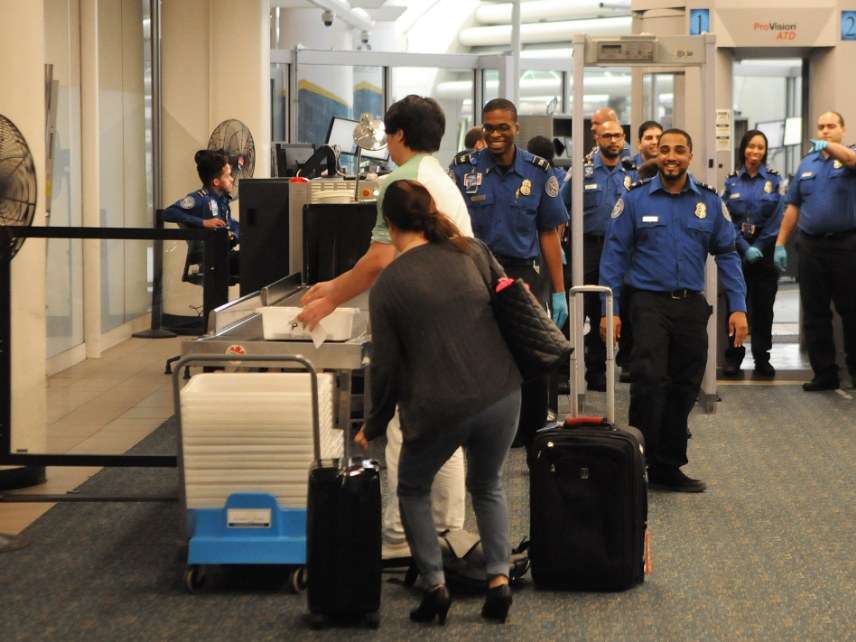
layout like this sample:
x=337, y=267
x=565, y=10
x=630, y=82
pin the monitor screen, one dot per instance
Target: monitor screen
x=290, y=157
x=793, y=130
x=341, y=134
x=335, y=237
x=774, y=130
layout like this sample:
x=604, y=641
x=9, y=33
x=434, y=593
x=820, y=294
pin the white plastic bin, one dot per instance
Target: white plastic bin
x=281, y=323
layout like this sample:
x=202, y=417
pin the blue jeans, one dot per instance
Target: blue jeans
x=486, y=438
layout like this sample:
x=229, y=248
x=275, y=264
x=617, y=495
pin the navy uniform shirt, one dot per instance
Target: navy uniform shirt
x=200, y=205
x=825, y=191
x=754, y=205
x=508, y=209
x=602, y=187
x=660, y=241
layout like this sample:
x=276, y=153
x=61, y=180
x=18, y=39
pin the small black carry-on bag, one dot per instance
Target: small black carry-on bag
x=589, y=501
x=343, y=540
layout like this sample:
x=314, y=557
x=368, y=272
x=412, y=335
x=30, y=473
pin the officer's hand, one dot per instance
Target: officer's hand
x=818, y=145
x=213, y=222
x=753, y=254
x=780, y=258
x=616, y=328
x=559, y=307
x=314, y=311
x=738, y=327
x=360, y=438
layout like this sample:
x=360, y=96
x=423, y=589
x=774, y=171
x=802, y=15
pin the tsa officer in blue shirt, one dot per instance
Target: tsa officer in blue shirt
x=821, y=202
x=755, y=204
x=660, y=234
x=605, y=180
x=514, y=205
x=645, y=160
x=209, y=206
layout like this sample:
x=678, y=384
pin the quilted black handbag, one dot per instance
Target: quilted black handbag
x=536, y=343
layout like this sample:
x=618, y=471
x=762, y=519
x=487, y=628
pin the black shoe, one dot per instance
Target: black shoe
x=435, y=603
x=731, y=371
x=817, y=384
x=597, y=385
x=625, y=376
x=497, y=603
x=671, y=478
x=763, y=370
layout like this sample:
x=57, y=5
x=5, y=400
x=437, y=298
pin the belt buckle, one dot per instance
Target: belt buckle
x=677, y=295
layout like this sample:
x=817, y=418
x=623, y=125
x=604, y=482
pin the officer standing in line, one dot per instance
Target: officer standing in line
x=514, y=205
x=604, y=181
x=209, y=206
x=598, y=118
x=474, y=140
x=659, y=236
x=754, y=202
x=646, y=159
x=821, y=202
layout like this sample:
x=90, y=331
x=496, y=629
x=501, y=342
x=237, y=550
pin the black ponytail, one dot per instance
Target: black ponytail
x=408, y=206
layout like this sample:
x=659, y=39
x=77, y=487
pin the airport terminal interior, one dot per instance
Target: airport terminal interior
x=126, y=414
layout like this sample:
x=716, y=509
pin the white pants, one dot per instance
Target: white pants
x=448, y=493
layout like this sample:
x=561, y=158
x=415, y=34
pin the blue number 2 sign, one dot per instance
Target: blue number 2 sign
x=700, y=21
x=848, y=25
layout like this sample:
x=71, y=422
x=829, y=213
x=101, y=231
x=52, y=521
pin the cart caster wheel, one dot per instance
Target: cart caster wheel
x=372, y=620
x=317, y=622
x=297, y=580
x=194, y=578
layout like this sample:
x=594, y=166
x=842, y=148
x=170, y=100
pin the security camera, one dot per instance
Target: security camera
x=327, y=17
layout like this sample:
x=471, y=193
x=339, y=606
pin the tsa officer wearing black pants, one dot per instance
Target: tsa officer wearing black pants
x=514, y=205
x=821, y=202
x=605, y=180
x=752, y=197
x=660, y=234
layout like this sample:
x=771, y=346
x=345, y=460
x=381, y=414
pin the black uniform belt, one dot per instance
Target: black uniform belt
x=674, y=294
x=511, y=261
x=829, y=235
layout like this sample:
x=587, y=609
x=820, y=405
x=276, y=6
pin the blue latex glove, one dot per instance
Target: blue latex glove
x=559, y=307
x=564, y=256
x=818, y=145
x=780, y=258
x=753, y=254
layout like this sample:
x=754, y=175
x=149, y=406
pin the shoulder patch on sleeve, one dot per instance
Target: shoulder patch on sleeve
x=618, y=209
x=463, y=158
x=725, y=212
x=552, y=187
x=709, y=188
x=187, y=203
x=540, y=162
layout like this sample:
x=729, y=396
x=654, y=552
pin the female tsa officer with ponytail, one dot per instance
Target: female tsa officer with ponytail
x=753, y=200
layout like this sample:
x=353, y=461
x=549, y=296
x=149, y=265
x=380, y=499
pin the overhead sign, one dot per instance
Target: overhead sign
x=699, y=21
x=771, y=27
x=848, y=25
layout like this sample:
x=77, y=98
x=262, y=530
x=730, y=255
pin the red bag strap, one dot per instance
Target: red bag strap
x=576, y=422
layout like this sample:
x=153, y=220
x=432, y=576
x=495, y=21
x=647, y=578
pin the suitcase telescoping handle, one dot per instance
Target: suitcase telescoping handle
x=217, y=360
x=577, y=342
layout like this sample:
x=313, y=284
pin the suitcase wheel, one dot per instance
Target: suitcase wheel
x=194, y=578
x=297, y=580
x=372, y=620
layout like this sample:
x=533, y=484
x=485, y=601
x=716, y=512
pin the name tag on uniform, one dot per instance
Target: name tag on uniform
x=650, y=219
x=735, y=195
x=591, y=186
x=478, y=198
x=806, y=175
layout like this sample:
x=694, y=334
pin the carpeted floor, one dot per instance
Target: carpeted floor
x=766, y=553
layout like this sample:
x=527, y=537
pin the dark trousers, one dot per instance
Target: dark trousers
x=827, y=267
x=595, y=348
x=533, y=403
x=762, y=283
x=669, y=356
x=625, y=341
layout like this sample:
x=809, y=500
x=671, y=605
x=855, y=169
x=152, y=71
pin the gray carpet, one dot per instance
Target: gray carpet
x=766, y=553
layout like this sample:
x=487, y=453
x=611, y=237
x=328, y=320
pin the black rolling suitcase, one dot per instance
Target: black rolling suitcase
x=343, y=540
x=589, y=499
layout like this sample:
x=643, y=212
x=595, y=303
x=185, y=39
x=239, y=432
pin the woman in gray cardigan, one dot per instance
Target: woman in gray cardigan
x=438, y=353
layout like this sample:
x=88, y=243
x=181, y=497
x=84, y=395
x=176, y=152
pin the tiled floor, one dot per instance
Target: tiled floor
x=100, y=406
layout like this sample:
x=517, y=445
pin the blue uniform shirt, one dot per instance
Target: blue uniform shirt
x=754, y=205
x=660, y=241
x=825, y=191
x=602, y=187
x=200, y=205
x=509, y=209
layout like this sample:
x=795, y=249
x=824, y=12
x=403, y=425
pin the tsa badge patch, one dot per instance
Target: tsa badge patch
x=552, y=187
x=618, y=209
x=725, y=213
x=187, y=202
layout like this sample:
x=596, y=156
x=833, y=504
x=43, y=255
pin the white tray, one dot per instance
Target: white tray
x=280, y=323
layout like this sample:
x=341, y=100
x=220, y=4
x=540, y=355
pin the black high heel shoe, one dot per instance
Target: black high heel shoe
x=434, y=603
x=497, y=603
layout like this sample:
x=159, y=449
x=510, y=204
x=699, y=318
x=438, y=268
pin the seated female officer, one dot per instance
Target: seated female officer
x=753, y=200
x=438, y=353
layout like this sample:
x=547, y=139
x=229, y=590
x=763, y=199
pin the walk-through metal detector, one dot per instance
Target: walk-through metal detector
x=644, y=51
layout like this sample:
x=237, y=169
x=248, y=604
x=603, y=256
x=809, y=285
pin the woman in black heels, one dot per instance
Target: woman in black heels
x=438, y=352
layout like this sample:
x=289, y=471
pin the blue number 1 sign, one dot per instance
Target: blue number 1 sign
x=699, y=21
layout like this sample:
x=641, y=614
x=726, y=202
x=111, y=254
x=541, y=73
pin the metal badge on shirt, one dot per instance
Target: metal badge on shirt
x=836, y=164
x=768, y=187
x=525, y=187
x=700, y=210
x=627, y=182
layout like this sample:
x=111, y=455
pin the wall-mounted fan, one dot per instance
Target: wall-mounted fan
x=18, y=188
x=234, y=138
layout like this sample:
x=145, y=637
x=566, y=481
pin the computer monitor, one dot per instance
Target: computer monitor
x=793, y=130
x=290, y=157
x=774, y=130
x=341, y=134
x=335, y=236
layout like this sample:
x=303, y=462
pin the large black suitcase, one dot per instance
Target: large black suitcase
x=589, y=499
x=343, y=539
